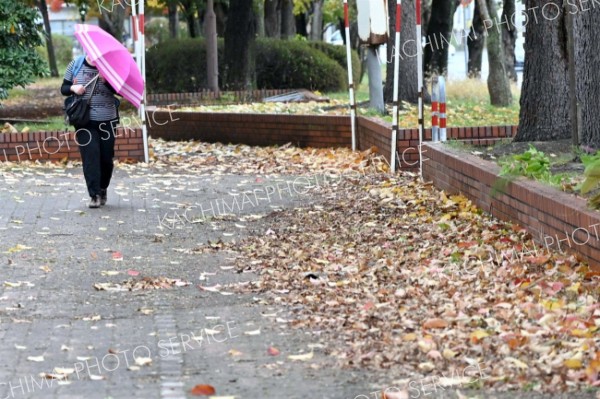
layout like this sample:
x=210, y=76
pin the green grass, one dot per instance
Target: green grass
x=56, y=123
x=468, y=104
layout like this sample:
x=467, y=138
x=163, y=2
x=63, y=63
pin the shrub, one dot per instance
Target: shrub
x=338, y=54
x=180, y=66
x=293, y=64
x=63, y=50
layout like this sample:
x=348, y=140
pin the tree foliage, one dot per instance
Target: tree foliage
x=19, y=36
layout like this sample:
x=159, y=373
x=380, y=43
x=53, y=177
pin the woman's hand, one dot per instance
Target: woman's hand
x=78, y=89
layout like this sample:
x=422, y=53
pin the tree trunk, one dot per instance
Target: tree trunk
x=48, y=33
x=112, y=21
x=439, y=32
x=509, y=38
x=316, y=26
x=189, y=11
x=476, y=44
x=544, y=114
x=272, y=18
x=212, y=57
x=407, y=85
x=425, y=15
x=260, y=18
x=173, y=20
x=288, y=22
x=191, y=23
x=587, y=51
x=498, y=83
x=240, y=65
x=301, y=25
x=221, y=13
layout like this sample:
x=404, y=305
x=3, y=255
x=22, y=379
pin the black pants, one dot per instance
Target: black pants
x=97, y=148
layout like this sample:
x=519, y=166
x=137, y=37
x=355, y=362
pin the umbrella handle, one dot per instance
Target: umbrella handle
x=88, y=83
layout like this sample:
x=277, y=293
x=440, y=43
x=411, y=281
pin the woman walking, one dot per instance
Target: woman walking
x=96, y=139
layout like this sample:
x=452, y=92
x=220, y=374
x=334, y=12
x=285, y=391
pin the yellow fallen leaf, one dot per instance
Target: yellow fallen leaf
x=478, y=335
x=409, y=337
x=517, y=362
x=581, y=333
x=234, y=352
x=574, y=364
x=16, y=248
x=448, y=354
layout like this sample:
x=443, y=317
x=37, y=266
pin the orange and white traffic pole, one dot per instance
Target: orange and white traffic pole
x=442, y=112
x=435, y=121
x=438, y=109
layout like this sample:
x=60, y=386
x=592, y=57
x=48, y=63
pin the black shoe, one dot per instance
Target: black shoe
x=103, y=197
x=94, y=202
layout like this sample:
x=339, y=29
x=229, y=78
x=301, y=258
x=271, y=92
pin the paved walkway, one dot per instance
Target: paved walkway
x=53, y=250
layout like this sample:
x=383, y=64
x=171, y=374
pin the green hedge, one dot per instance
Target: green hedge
x=180, y=65
x=338, y=53
x=63, y=50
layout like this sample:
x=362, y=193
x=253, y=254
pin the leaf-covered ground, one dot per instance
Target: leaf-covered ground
x=404, y=278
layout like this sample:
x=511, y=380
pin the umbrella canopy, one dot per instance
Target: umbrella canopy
x=113, y=60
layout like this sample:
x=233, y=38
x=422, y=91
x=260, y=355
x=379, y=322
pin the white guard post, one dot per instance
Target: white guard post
x=350, y=80
x=396, y=54
x=420, y=83
x=438, y=109
x=137, y=29
x=442, y=112
x=435, y=122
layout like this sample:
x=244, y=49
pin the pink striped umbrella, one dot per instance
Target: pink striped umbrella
x=113, y=60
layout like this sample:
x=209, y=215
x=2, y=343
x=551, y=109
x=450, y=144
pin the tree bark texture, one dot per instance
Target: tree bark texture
x=240, y=65
x=544, y=114
x=407, y=85
x=476, y=44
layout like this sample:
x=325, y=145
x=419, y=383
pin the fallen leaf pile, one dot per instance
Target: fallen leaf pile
x=400, y=276
x=196, y=156
x=146, y=283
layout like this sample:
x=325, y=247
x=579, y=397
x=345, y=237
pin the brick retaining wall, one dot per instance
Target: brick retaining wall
x=557, y=220
x=252, y=129
x=55, y=146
